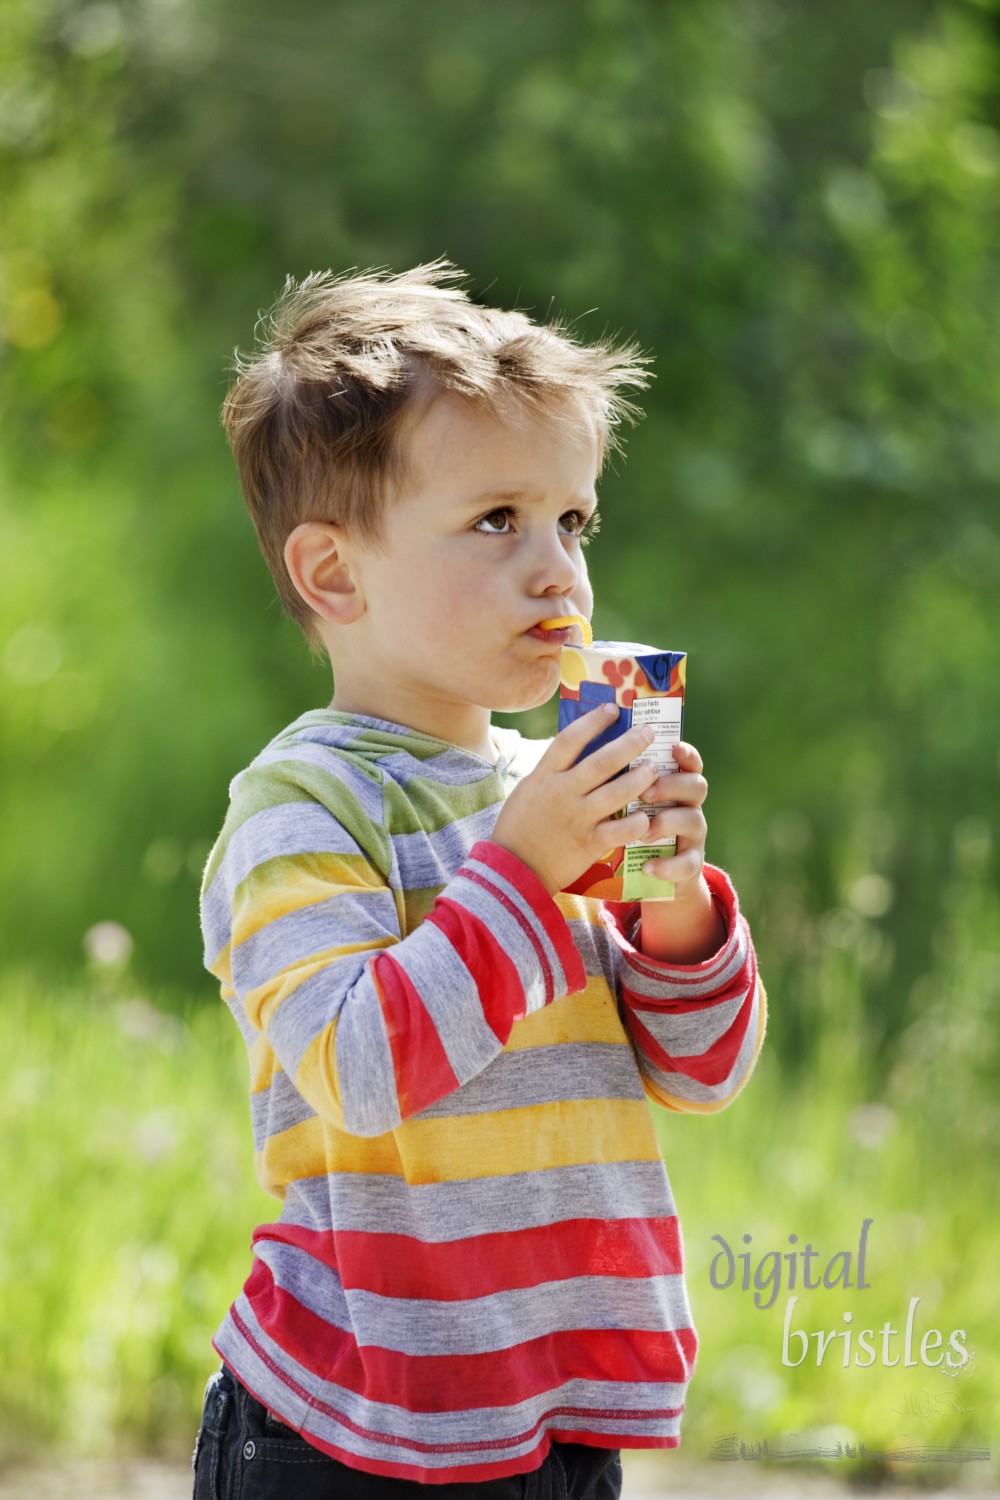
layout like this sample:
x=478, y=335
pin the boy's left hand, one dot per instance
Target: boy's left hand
x=688, y=929
x=687, y=788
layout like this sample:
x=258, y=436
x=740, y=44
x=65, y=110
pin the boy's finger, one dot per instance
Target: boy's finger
x=678, y=786
x=614, y=832
x=687, y=757
x=604, y=764
x=570, y=743
x=609, y=797
x=677, y=868
x=684, y=823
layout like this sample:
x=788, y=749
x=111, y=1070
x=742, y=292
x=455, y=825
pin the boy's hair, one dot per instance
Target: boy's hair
x=314, y=417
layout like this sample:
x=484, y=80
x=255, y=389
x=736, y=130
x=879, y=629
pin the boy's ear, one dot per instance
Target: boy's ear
x=320, y=564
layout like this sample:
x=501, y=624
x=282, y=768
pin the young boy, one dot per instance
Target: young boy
x=475, y=1281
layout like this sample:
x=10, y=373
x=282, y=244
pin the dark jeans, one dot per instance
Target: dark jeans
x=244, y=1453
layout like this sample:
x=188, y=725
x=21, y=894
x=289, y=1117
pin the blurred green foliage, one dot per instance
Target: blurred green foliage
x=793, y=207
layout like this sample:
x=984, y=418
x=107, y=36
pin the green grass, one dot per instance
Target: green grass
x=910, y=1143
x=129, y=1200
x=126, y=1218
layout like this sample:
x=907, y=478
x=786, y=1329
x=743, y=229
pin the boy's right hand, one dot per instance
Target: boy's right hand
x=561, y=818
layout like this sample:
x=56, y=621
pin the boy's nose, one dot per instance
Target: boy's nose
x=556, y=570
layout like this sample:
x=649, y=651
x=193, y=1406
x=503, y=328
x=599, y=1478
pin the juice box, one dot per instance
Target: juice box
x=648, y=686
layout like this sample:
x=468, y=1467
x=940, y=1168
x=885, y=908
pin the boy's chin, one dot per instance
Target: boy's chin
x=525, y=703
x=521, y=697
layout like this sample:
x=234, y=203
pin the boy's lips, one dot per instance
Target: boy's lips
x=554, y=637
x=563, y=630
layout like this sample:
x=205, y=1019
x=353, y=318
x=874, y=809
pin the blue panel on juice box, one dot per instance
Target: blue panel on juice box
x=656, y=666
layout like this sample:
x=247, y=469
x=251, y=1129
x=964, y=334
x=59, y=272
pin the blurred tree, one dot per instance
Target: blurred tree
x=793, y=207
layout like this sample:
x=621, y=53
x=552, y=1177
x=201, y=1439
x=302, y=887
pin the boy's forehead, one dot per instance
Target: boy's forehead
x=456, y=438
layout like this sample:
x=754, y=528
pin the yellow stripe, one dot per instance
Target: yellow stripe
x=579, y=908
x=591, y=1015
x=535, y=1139
x=288, y=883
x=222, y=968
x=317, y=1079
x=314, y=1147
x=264, y=1066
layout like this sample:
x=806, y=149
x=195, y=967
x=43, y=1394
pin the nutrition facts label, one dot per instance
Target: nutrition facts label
x=663, y=716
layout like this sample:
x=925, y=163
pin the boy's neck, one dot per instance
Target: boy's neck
x=469, y=727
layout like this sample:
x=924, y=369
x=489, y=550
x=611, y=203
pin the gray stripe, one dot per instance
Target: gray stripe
x=216, y=919
x=666, y=988
x=483, y=1428
x=690, y=1034
x=365, y=1068
x=288, y=829
x=278, y=1107
x=530, y=921
x=438, y=1212
x=418, y=1326
x=598, y=954
x=429, y=858
x=435, y=969
x=469, y=1041
x=314, y=1286
x=513, y=930
x=484, y=1325
x=315, y=726
x=679, y=1086
x=565, y=1071
x=451, y=767
x=350, y=916
x=248, y=1032
x=368, y=1104
x=312, y=1005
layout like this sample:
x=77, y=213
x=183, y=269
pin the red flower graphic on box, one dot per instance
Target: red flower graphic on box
x=618, y=674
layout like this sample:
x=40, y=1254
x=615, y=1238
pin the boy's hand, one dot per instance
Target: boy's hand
x=687, y=788
x=561, y=818
x=688, y=929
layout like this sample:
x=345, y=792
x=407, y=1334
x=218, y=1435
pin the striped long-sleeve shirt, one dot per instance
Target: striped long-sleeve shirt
x=478, y=1250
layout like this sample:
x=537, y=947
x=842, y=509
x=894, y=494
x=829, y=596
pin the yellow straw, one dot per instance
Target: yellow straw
x=564, y=620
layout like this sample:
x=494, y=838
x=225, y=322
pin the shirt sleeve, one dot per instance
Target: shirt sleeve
x=372, y=1026
x=696, y=1029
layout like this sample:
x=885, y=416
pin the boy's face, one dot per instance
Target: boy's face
x=481, y=543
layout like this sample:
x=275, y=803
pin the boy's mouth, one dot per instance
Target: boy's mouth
x=563, y=630
x=554, y=637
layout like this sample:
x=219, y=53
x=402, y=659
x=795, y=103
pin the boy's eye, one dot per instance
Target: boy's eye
x=582, y=527
x=498, y=523
x=501, y=515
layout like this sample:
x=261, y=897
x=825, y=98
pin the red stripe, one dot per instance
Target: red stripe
x=420, y=1064
x=700, y=974
x=504, y=900
x=682, y=1005
x=524, y=880
x=458, y=1382
x=397, y=1265
x=711, y=1067
x=498, y=981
